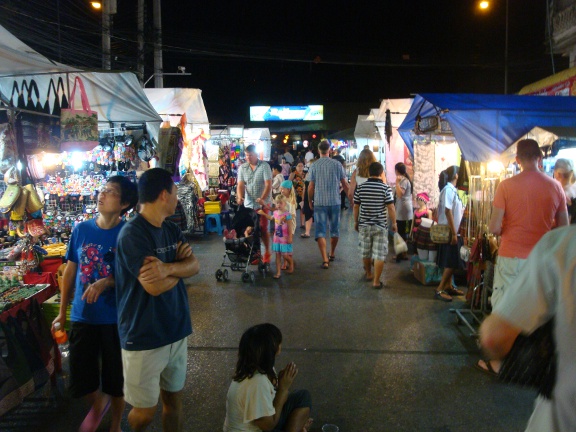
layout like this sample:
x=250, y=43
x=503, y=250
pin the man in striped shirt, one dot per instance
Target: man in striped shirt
x=373, y=206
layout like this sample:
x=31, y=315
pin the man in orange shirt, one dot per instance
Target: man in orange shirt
x=525, y=208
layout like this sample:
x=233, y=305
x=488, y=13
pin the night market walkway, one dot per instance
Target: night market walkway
x=374, y=360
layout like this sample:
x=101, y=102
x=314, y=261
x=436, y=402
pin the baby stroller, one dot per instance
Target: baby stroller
x=244, y=250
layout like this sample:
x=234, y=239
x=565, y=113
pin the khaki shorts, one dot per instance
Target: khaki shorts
x=146, y=372
x=507, y=269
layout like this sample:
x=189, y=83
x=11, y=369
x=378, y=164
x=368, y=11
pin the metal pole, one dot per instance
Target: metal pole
x=158, y=78
x=106, y=61
x=59, y=34
x=506, y=54
x=140, y=58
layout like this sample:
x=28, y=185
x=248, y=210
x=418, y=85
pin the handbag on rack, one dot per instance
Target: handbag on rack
x=79, y=127
x=531, y=361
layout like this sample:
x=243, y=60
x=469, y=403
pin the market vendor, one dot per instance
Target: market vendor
x=95, y=354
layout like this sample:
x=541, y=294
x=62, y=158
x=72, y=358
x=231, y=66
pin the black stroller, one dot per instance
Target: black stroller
x=244, y=250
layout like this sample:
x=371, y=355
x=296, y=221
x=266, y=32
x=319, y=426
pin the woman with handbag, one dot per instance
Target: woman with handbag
x=449, y=213
x=404, y=205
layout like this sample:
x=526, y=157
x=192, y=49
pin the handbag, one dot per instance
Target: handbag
x=531, y=361
x=35, y=135
x=79, y=127
x=400, y=245
x=440, y=234
x=53, y=122
x=8, y=150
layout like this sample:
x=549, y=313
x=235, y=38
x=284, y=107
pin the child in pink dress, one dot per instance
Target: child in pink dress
x=282, y=243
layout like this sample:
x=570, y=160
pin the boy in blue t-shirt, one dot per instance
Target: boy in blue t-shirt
x=89, y=279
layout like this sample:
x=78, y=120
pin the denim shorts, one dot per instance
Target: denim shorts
x=327, y=218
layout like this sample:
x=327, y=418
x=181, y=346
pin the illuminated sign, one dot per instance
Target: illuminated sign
x=287, y=113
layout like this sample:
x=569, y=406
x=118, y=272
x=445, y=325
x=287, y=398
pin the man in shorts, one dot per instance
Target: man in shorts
x=254, y=187
x=153, y=312
x=89, y=277
x=373, y=206
x=525, y=208
x=326, y=175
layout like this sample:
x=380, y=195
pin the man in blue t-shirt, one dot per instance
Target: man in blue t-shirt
x=153, y=313
x=89, y=276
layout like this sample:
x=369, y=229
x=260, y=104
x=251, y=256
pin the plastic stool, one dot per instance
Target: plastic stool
x=225, y=215
x=212, y=223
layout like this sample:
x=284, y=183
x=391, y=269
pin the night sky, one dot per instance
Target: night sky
x=243, y=53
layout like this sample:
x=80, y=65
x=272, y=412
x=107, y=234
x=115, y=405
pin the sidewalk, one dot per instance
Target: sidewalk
x=374, y=360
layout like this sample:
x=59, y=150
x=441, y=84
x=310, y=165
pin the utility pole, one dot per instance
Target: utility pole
x=108, y=9
x=140, y=59
x=158, y=75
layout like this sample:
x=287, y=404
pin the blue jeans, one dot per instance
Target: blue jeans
x=327, y=217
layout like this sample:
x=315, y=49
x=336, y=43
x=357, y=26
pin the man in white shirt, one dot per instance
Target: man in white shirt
x=309, y=156
x=289, y=158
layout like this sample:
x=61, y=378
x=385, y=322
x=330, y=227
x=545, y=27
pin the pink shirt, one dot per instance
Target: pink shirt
x=530, y=201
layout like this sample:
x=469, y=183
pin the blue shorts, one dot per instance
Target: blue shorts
x=327, y=217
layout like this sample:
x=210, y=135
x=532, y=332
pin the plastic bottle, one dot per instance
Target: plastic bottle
x=61, y=339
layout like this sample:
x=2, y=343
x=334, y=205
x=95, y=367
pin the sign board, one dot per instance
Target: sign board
x=287, y=113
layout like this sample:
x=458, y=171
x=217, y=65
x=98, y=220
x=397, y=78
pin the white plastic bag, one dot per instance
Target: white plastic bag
x=400, y=245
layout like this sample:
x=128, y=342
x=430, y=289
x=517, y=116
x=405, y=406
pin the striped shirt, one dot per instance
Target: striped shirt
x=326, y=174
x=373, y=196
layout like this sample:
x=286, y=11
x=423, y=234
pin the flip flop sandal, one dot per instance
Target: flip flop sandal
x=331, y=257
x=325, y=265
x=438, y=295
x=305, y=235
x=454, y=291
x=379, y=286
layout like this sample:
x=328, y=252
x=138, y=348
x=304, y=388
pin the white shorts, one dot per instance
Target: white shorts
x=148, y=371
x=507, y=269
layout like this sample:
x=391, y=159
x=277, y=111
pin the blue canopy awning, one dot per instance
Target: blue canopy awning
x=486, y=125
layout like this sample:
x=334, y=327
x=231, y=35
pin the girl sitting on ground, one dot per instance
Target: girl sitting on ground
x=282, y=243
x=258, y=399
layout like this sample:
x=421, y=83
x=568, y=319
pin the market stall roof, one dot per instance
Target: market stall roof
x=174, y=102
x=17, y=58
x=486, y=125
x=344, y=135
x=398, y=110
x=115, y=96
x=365, y=129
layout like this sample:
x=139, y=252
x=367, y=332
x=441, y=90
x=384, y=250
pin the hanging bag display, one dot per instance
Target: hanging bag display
x=35, y=135
x=79, y=127
x=53, y=123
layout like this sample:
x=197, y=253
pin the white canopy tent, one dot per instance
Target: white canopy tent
x=395, y=150
x=17, y=58
x=366, y=134
x=116, y=97
x=260, y=137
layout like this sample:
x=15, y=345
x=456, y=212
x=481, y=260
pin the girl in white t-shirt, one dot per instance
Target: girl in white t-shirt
x=258, y=399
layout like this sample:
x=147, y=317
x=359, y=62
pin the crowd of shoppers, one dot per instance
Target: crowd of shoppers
x=131, y=315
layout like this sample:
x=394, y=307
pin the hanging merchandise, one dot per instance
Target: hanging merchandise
x=79, y=128
x=35, y=136
x=124, y=153
x=8, y=150
x=53, y=124
x=146, y=149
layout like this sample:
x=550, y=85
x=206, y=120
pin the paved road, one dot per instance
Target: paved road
x=374, y=360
